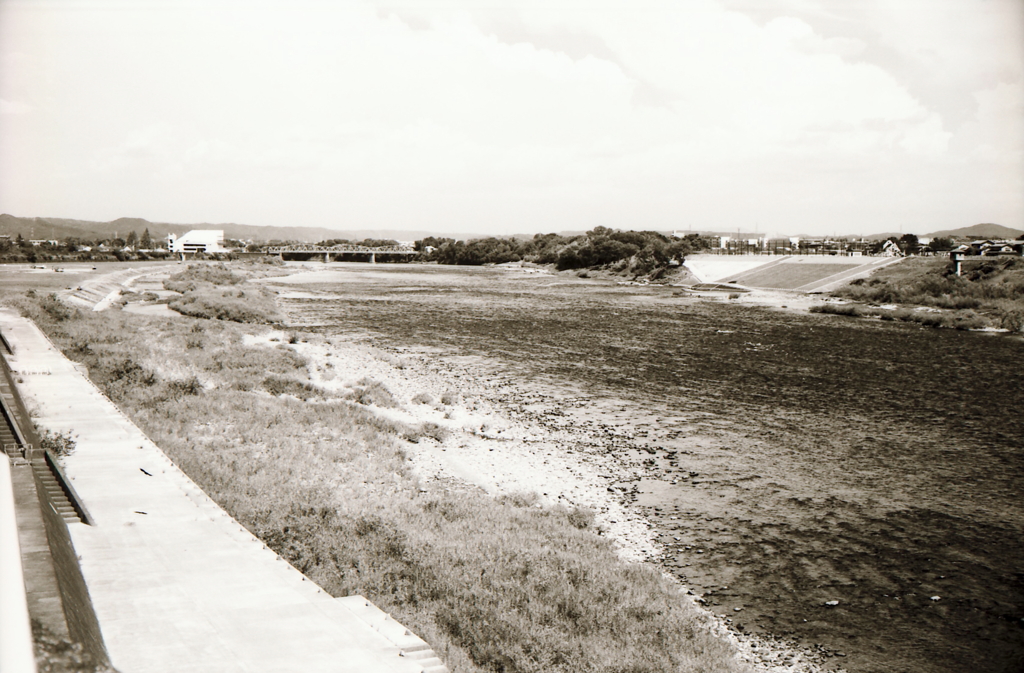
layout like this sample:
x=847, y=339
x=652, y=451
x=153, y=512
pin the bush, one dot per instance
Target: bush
x=367, y=391
x=838, y=309
x=968, y=320
x=278, y=385
x=428, y=429
x=60, y=444
x=57, y=309
x=189, y=386
x=1012, y=320
x=198, y=274
x=256, y=307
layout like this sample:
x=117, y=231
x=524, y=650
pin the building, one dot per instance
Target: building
x=991, y=248
x=197, y=240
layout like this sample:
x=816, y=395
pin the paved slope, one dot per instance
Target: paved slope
x=177, y=584
x=808, y=273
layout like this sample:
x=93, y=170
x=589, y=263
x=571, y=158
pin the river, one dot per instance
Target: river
x=852, y=485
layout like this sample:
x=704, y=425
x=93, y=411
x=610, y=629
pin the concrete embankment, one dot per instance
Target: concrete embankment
x=176, y=583
x=799, y=273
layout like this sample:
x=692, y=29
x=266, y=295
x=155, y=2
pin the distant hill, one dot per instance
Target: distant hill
x=987, y=230
x=61, y=228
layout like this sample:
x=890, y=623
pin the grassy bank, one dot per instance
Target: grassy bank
x=990, y=293
x=493, y=585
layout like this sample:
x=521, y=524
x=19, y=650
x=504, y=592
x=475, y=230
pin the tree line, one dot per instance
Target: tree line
x=639, y=252
x=72, y=248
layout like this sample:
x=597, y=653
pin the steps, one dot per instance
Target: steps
x=55, y=492
x=97, y=293
x=412, y=646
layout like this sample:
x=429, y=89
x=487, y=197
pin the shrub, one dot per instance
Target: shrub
x=580, y=517
x=1012, y=320
x=278, y=385
x=60, y=444
x=56, y=309
x=189, y=386
x=968, y=320
x=257, y=307
x=838, y=309
x=198, y=274
x=428, y=429
x=367, y=391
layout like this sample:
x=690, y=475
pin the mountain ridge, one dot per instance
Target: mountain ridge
x=61, y=228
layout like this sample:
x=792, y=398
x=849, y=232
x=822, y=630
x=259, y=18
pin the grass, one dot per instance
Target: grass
x=56, y=654
x=215, y=292
x=989, y=294
x=493, y=584
x=962, y=320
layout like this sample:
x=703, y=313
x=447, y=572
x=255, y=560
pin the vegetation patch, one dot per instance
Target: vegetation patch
x=990, y=293
x=368, y=391
x=634, y=253
x=493, y=585
x=197, y=275
x=59, y=444
x=215, y=292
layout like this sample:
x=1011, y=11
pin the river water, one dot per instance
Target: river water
x=795, y=460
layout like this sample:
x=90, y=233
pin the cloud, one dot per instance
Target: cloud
x=459, y=114
x=8, y=107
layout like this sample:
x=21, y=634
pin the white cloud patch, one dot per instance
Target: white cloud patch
x=461, y=116
x=14, y=107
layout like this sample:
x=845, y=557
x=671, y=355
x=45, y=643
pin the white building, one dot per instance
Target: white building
x=197, y=240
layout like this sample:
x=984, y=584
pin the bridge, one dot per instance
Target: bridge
x=351, y=253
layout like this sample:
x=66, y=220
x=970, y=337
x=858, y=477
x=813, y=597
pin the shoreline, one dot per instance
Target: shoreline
x=509, y=438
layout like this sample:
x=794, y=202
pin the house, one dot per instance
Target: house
x=890, y=249
x=991, y=248
x=197, y=240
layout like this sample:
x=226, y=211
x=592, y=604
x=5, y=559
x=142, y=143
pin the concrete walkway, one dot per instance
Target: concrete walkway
x=177, y=584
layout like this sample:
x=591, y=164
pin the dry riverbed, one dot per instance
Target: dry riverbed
x=508, y=438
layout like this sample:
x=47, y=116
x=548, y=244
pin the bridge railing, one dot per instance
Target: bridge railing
x=342, y=248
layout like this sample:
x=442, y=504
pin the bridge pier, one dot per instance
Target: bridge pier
x=373, y=258
x=327, y=257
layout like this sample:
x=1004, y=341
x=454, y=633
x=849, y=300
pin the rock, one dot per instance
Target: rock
x=832, y=603
x=935, y=598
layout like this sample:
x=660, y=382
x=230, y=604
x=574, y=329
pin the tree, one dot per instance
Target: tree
x=132, y=241
x=908, y=243
x=146, y=242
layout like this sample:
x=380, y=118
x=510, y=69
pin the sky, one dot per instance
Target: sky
x=490, y=118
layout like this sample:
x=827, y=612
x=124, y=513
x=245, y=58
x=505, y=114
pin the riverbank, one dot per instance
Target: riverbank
x=488, y=581
x=989, y=295
x=778, y=479
x=509, y=436
x=775, y=482
x=516, y=442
